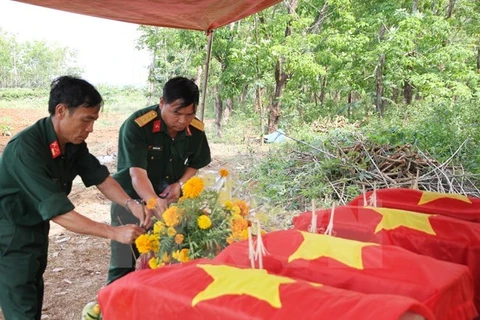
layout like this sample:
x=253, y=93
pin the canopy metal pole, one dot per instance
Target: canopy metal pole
x=205, y=77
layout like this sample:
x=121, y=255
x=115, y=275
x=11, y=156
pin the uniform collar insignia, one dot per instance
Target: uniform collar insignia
x=55, y=149
x=157, y=125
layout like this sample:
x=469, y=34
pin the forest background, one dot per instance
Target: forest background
x=330, y=74
x=368, y=94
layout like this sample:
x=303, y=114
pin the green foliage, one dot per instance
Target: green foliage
x=33, y=64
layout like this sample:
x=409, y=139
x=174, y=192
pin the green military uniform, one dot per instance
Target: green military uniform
x=145, y=143
x=35, y=179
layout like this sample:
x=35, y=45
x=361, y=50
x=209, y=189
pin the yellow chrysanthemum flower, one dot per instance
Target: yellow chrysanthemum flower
x=151, y=203
x=223, y=173
x=153, y=263
x=170, y=217
x=179, y=238
x=171, y=231
x=228, y=205
x=143, y=243
x=204, y=222
x=154, y=242
x=243, y=207
x=193, y=187
x=236, y=210
x=158, y=227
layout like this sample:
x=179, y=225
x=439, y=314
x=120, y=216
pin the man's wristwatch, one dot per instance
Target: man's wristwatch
x=180, y=183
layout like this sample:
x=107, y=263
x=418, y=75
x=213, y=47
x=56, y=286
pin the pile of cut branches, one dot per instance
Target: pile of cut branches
x=406, y=166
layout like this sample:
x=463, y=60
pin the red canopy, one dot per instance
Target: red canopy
x=184, y=14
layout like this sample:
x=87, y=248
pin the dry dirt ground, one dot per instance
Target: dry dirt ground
x=77, y=264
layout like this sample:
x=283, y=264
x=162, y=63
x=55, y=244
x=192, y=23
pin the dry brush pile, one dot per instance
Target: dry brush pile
x=371, y=166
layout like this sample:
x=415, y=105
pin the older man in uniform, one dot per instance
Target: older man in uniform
x=37, y=168
x=160, y=147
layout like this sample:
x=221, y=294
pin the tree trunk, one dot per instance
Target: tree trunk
x=198, y=77
x=478, y=57
x=408, y=92
x=280, y=82
x=323, y=90
x=280, y=77
x=218, y=112
x=316, y=26
x=451, y=5
x=379, y=95
x=349, y=105
x=151, y=76
x=395, y=94
x=414, y=6
x=228, y=109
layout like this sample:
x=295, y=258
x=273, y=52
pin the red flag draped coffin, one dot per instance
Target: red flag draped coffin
x=437, y=236
x=446, y=288
x=204, y=289
x=451, y=205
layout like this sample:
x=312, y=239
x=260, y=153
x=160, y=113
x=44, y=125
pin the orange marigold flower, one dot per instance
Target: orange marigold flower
x=181, y=255
x=179, y=238
x=238, y=223
x=170, y=217
x=230, y=239
x=151, y=203
x=243, y=207
x=193, y=187
x=166, y=258
x=143, y=243
x=171, y=231
x=223, y=173
x=204, y=222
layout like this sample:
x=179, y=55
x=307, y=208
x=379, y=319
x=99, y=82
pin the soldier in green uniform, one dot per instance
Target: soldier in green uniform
x=37, y=168
x=160, y=148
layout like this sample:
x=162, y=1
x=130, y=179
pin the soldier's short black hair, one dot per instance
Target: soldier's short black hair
x=74, y=92
x=183, y=89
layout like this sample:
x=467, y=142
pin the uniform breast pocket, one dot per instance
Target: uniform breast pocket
x=155, y=154
x=187, y=157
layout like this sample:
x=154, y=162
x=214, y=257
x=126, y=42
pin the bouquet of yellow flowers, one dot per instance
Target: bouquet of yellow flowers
x=199, y=225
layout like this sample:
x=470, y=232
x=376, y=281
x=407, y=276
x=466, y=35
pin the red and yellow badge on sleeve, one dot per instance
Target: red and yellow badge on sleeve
x=452, y=205
x=445, y=288
x=206, y=289
x=436, y=236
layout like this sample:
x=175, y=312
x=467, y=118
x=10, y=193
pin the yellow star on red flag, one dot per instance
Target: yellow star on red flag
x=394, y=218
x=314, y=246
x=235, y=281
x=428, y=196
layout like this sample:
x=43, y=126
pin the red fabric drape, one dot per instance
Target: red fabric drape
x=451, y=205
x=208, y=290
x=446, y=288
x=437, y=236
x=202, y=15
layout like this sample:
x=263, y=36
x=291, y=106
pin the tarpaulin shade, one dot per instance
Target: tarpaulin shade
x=206, y=289
x=186, y=14
x=447, y=204
x=437, y=236
x=446, y=288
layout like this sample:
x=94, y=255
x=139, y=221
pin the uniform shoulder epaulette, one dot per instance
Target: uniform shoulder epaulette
x=146, y=118
x=198, y=124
